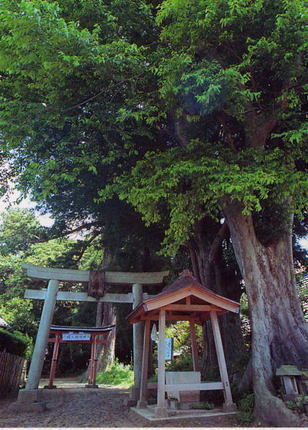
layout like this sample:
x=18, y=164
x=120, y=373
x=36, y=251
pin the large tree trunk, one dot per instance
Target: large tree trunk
x=209, y=268
x=279, y=335
x=106, y=353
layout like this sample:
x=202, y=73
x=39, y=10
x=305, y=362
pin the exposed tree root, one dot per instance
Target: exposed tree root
x=271, y=411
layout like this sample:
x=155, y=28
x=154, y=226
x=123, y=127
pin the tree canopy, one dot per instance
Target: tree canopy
x=185, y=112
x=233, y=78
x=200, y=98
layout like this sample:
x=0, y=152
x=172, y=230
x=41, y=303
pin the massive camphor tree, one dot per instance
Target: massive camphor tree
x=231, y=75
x=190, y=111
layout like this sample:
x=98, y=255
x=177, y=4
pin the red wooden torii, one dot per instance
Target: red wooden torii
x=64, y=334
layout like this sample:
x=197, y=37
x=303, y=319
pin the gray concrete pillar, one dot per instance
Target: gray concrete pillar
x=41, y=341
x=137, y=341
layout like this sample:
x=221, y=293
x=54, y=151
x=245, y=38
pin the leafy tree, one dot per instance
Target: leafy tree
x=232, y=77
x=19, y=314
x=87, y=124
x=80, y=80
x=18, y=230
x=212, y=109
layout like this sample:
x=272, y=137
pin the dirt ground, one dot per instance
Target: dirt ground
x=103, y=407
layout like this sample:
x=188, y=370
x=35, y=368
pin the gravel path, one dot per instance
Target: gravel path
x=104, y=407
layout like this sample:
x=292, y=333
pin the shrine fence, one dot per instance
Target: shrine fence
x=11, y=367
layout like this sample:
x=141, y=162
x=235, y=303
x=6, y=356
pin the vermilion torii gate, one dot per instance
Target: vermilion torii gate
x=52, y=294
x=90, y=335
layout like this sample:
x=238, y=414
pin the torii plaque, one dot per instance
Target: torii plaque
x=51, y=294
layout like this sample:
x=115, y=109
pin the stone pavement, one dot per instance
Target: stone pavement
x=103, y=407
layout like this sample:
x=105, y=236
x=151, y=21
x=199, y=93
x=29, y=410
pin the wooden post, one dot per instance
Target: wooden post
x=99, y=314
x=194, y=348
x=95, y=361
x=228, y=405
x=142, y=403
x=42, y=336
x=161, y=410
x=93, y=364
x=54, y=361
x=137, y=342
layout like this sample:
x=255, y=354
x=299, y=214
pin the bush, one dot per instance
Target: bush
x=297, y=404
x=153, y=378
x=117, y=374
x=181, y=363
x=15, y=343
x=204, y=405
x=246, y=405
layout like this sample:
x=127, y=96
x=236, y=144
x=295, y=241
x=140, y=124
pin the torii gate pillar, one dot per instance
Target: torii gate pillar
x=42, y=336
x=41, y=342
x=137, y=343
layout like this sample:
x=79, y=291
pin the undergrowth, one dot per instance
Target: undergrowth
x=117, y=374
x=246, y=405
x=203, y=405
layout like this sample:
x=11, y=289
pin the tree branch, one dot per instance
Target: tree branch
x=66, y=233
x=85, y=246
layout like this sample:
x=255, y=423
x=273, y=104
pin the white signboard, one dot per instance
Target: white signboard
x=76, y=336
x=168, y=348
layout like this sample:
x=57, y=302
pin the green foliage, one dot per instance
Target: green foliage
x=21, y=230
x=18, y=312
x=246, y=406
x=190, y=185
x=176, y=117
x=15, y=343
x=297, y=404
x=54, y=252
x=302, y=289
x=224, y=75
x=190, y=113
x=117, y=374
x=92, y=257
x=180, y=363
x=203, y=405
x=18, y=230
x=13, y=280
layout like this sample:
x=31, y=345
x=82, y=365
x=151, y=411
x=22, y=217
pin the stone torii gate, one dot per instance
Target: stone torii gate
x=52, y=294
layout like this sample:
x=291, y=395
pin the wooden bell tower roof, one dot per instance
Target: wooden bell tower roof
x=185, y=299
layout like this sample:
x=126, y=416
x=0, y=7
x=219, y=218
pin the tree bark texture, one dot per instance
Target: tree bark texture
x=106, y=353
x=279, y=332
x=209, y=268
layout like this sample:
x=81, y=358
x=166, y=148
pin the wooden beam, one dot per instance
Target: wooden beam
x=54, y=361
x=52, y=340
x=161, y=410
x=194, y=348
x=71, y=275
x=221, y=362
x=191, y=308
x=142, y=403
x=202, y=386
x=172, y=318
x=72, y=296
x=212, y=298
